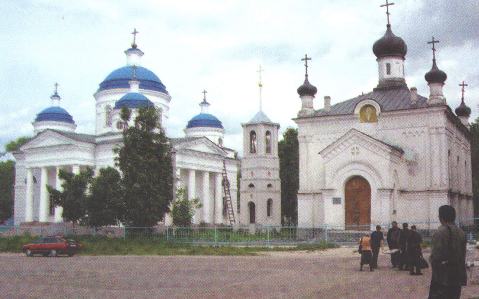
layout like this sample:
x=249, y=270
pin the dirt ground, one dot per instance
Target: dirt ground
x=329, y=274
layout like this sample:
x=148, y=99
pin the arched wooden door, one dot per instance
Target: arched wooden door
x=357, y=196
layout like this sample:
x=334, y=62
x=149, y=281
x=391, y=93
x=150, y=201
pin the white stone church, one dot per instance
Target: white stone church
x=390, y=154
x=199, y=157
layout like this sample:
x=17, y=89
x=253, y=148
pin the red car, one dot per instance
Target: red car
x=51, y=246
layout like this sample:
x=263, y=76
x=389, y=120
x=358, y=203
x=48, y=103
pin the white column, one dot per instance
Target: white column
x=58, y=186
x=192, y=191
x=218, y=199
x=29, y=197
x=206, y=197
x=44, y=196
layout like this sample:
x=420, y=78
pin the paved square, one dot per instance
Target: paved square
x=329, y=274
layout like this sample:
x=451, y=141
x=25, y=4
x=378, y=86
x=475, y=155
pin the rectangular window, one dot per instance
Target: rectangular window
x=388, y=68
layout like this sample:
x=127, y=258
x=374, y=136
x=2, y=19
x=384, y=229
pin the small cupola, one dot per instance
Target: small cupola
x=390, y=51
x=54, y=117
x=435, y=79
x=463, y=111
x=133, y=54
x=390, y=45
x=134, y=99
x=306, y=91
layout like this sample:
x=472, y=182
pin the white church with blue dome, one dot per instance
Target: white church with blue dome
x=200, y=157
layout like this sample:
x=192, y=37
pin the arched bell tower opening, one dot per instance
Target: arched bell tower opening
x=357, y=194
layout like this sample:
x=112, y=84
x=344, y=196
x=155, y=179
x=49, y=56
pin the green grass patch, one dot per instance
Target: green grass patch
x=110, y=246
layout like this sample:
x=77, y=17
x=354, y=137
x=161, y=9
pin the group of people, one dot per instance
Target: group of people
x=404, y=247
x=447, y=259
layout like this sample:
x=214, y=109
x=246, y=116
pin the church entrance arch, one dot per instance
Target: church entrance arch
x=357, y=198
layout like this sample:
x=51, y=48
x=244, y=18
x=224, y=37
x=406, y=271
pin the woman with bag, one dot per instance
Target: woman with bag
x=365, y=251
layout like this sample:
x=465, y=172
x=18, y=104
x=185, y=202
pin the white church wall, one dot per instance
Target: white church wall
x=20, y=189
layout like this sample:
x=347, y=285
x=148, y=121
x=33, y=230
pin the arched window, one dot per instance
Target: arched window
x=388, y=69
x=119, y=125
x=220, y=141
x=108, y=112
x=368, y=114
x=252, y=142
x=268, y=142
x=252, y=212
x=269, y=207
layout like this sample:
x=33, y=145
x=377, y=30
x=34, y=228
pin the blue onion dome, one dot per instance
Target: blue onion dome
x=55, y=113
x=307, y=89
x=463, y=110
x=390, y=45
x=204, y=120
x=435, y=75
x=133, y=100
x=119, y=78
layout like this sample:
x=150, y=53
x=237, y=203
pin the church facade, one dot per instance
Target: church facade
x=390, y=154
x=200, y=157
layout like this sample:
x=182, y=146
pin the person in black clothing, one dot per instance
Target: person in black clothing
x=393, y=243
x=377, y=239
x=403, y=258
x=448, y=257
x=414, y=251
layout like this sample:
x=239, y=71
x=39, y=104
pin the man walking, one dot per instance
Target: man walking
x=403, y=258
x=448, y=254
x=414, y=251
x=377, y=240
x=393, y=243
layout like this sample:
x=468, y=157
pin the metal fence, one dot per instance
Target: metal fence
x=253, y=235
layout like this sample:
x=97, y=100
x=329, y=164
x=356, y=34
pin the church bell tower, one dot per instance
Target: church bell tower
x=260, y=182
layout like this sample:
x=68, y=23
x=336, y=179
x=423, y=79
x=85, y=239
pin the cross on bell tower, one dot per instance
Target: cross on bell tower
x=387, y=10
x=260, y=85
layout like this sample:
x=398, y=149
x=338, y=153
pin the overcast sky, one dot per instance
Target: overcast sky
x=217, y=46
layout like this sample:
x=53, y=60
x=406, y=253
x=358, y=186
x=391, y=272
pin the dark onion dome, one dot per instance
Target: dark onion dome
x=119, y=78
x=133, y=100
x=463, y=110
x=307, y=89
x=390, y=45
x=204, y=120
x=55, y=113
x=435, y=75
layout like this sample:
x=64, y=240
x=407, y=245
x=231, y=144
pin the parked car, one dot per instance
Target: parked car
x=51, y=246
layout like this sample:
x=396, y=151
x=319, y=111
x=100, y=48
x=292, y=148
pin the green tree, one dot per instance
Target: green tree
x=146, y=165
x=288, y=149
x=104, y=204
x=73, y=198
x=7, y=177
x=16, y=144
x=182, y=210
x=475, y=164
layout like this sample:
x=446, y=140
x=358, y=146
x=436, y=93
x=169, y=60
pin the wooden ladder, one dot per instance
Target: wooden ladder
x=227, y=196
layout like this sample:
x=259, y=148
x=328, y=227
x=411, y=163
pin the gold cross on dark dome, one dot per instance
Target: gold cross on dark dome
x=305, y=59
x=387, y=8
